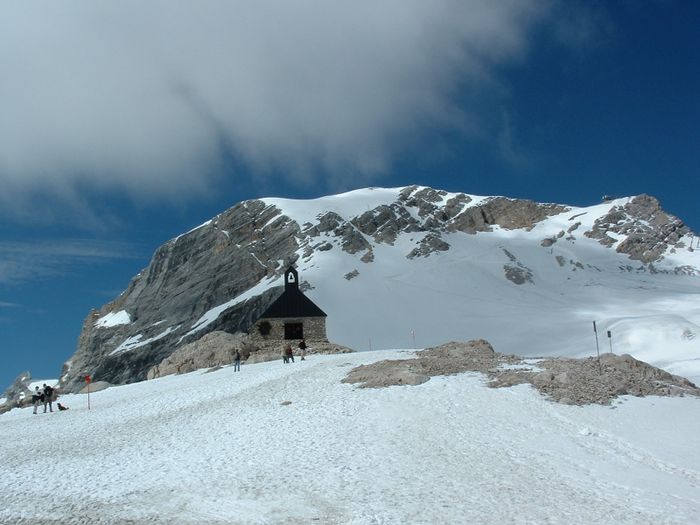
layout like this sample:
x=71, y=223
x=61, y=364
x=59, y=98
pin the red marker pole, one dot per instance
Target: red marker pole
x=87, y=380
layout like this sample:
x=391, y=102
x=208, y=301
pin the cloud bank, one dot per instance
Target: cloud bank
x=158, y=97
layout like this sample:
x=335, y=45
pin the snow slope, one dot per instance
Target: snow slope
x=219, y=447
x=463, y=294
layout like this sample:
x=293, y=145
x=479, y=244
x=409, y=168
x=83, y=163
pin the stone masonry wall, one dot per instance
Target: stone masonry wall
x=314, y=329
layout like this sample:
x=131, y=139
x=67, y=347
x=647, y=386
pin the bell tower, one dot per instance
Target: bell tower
x=291, y=279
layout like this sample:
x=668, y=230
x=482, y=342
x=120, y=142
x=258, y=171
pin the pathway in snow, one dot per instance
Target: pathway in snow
x=221, y=448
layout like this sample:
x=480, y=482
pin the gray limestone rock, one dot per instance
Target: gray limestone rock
x=429, y=244
x=647, y=229
x=214, y=349
x=507, y=213
x=253, y=242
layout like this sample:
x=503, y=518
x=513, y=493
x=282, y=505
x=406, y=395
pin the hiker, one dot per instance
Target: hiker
x=302, y=349
x=37, y=397
x=237, y=361
x=285, y=356
x=290, y=353
x=48, y=397
x=61, y=407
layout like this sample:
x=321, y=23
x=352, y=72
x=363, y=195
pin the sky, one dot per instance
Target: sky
x=123, y=125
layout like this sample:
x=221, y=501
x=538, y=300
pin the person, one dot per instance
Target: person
x=285, y=356
x=37, y=398
x=61, y=407
x=290, y=353
x=237, y=361
x=48, y=397
x=302, y=349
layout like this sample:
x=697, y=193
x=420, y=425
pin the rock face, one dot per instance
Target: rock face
x=220, y=276
x=649, y=231
x=17, y=394
x=214, y=349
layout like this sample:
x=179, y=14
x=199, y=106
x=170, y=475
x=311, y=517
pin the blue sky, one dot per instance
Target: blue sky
x=119, y=133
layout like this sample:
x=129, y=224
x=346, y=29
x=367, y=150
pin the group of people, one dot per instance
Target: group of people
x=46, y=396
x=43, y=395
x=288, y=353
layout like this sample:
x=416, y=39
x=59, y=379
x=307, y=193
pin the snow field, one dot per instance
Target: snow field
x=221, y=448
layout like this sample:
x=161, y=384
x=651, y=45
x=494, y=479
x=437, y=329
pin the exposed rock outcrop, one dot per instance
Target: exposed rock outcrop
x=564, y=380
x=214, y=349
x=648, y=231
x=218, y=348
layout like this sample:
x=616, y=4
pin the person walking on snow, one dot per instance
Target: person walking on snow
x=302, y=349
x=36, y=398
x=285, y=358
x=290, y=353
x=48, y=397
x=237, y=361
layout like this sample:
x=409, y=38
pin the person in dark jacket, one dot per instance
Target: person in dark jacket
x=302, y=349
x=48, y=397
x=237, y=361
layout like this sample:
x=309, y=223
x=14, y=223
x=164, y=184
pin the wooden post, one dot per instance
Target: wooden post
x=597, y=347
x=88, y=379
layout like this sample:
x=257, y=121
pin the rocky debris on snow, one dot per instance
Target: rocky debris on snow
x=564, y=380
x=214, y=349
x=447, y=359
x=431, y=243
x=515, y=271
x=352, y=274
x=583, y=381
x=217, y=349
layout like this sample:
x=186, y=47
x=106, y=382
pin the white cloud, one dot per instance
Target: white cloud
x=148, y=96
x=24, y=261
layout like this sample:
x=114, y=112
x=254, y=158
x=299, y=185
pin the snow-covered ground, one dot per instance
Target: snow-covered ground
x=221, y=447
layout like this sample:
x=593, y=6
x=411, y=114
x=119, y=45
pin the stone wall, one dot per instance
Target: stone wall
x=314, y=329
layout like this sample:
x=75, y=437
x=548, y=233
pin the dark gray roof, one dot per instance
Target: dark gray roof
x=293, y=303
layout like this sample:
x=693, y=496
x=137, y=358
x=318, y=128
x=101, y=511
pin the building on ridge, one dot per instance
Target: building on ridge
x=293, y=316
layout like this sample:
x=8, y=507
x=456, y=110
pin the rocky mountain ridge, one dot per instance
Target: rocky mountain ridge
x=221, y=275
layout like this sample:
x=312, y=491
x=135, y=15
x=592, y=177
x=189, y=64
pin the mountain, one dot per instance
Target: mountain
x=415, y=266
x=293, y=444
